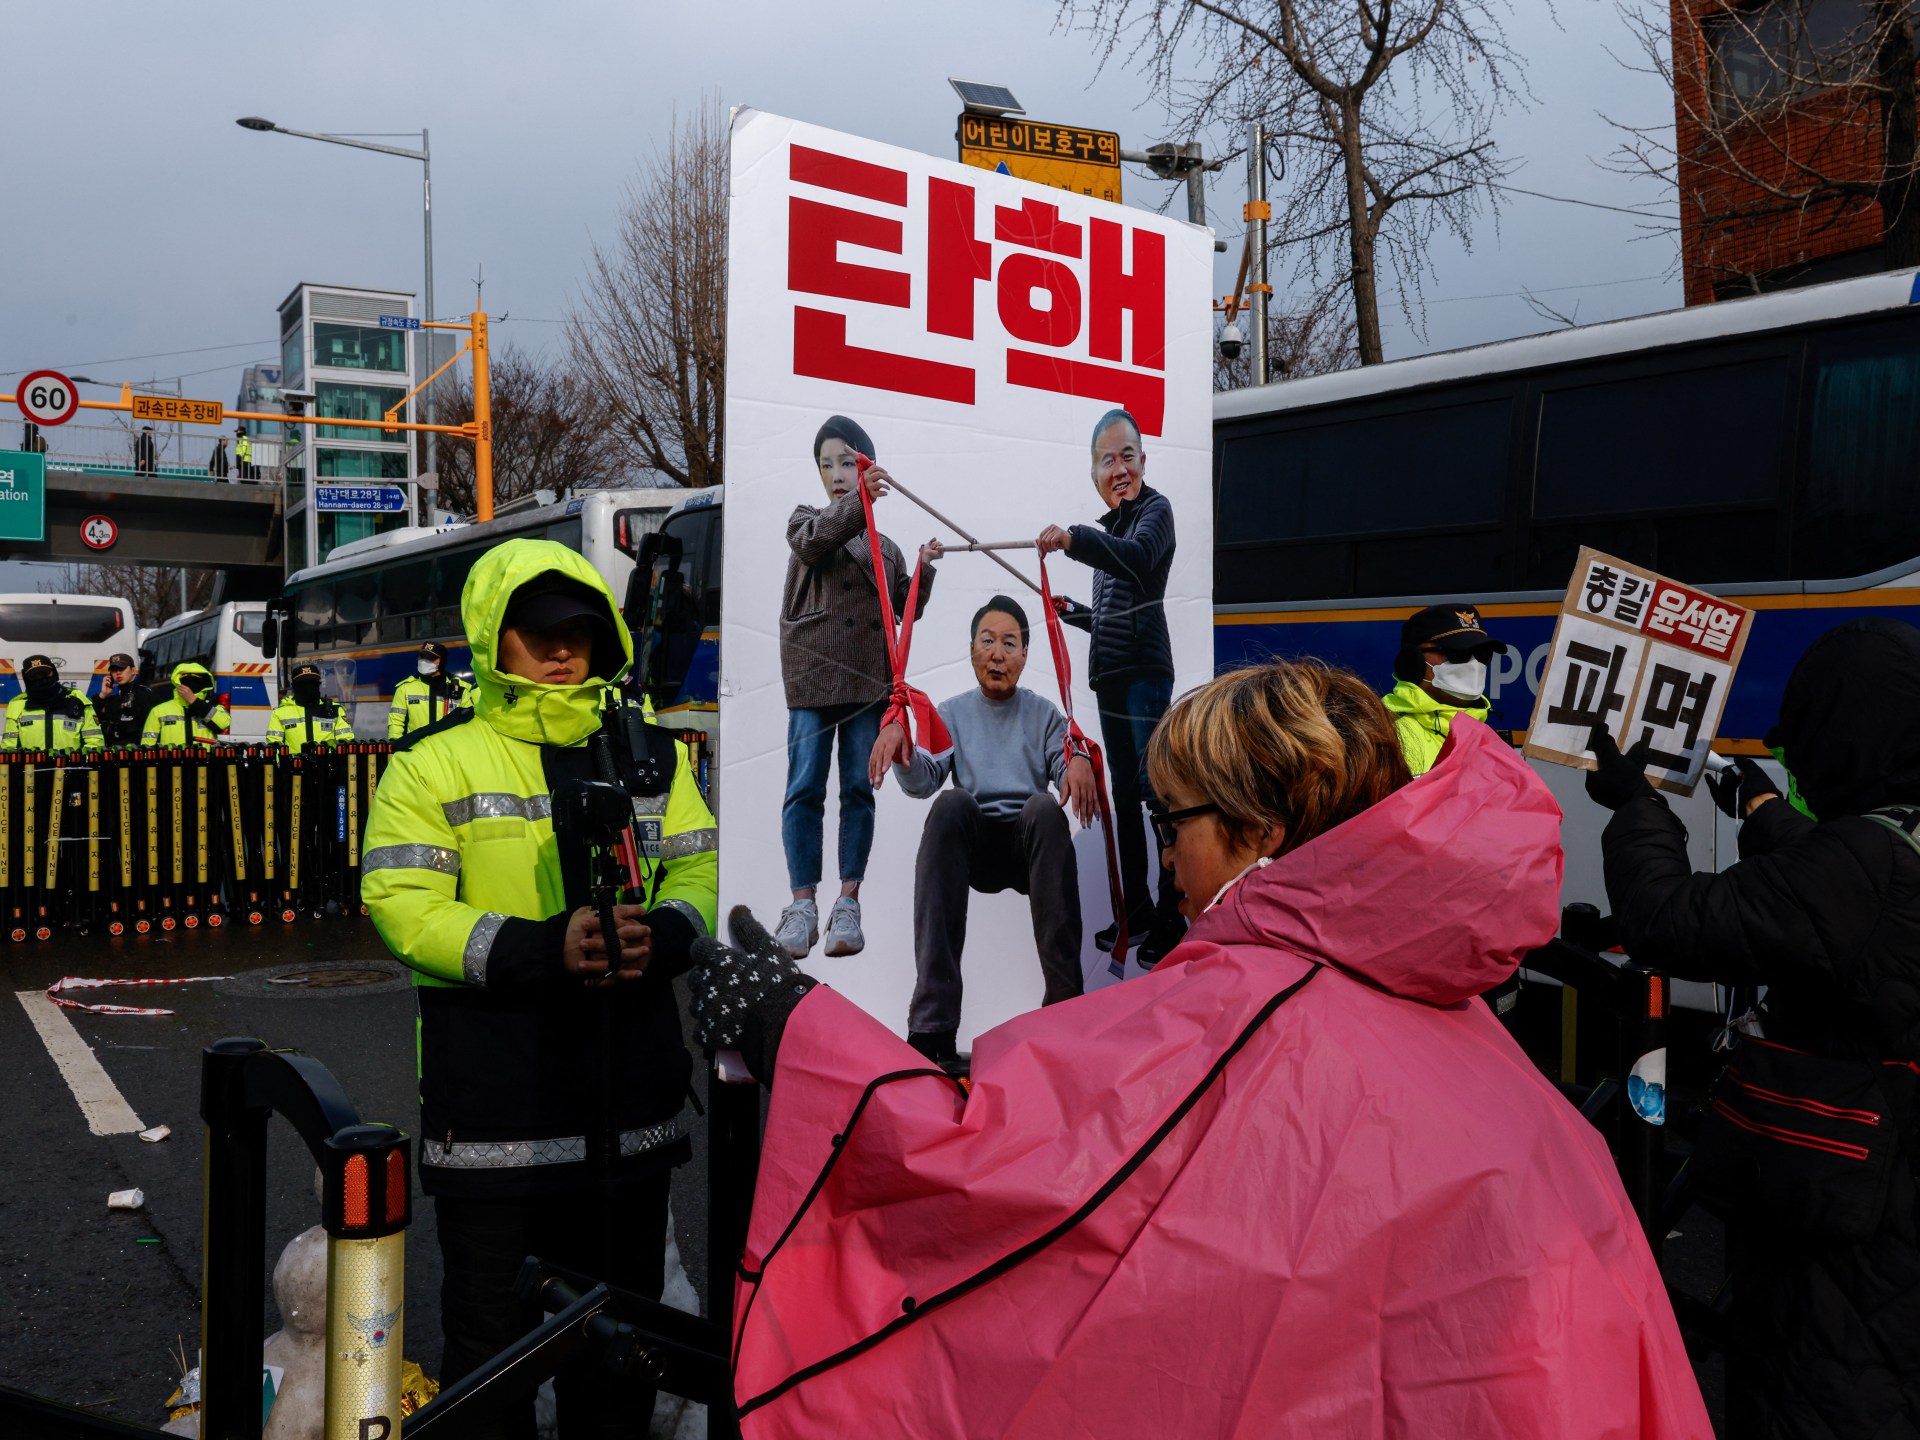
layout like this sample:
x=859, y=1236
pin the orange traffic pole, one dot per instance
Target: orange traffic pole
x=482, y=422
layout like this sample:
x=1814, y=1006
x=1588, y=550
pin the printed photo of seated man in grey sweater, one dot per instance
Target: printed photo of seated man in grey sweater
x=997, y=829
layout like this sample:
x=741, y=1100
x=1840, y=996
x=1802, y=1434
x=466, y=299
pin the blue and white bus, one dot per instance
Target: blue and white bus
x=225, y=639
x=365, y=612
x=77, y=632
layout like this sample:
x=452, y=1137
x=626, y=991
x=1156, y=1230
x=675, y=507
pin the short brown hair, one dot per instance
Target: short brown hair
x=1298, y=743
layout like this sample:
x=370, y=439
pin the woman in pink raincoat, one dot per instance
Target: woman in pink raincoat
x=1298, y=1182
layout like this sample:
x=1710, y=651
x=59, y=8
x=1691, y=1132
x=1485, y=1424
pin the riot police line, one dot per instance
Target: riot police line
x=133, y=840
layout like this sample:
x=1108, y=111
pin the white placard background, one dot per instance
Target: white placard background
x=1014, y=461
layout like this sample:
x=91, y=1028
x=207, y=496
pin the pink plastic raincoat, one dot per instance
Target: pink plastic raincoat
x=1249, y=1195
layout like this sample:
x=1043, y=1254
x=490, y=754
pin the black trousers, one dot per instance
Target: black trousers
x=962, y=849
x=482, y=1244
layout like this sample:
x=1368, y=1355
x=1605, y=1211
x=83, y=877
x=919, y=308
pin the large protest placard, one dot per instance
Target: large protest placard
x=967, y=331
x=1645, y=656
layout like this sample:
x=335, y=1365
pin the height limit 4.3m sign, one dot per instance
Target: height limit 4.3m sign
x=1647, y=657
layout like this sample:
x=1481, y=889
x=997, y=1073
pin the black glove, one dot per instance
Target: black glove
x=744, y=992
x=1617, y=778
x=1734, y=789
x=202, y=707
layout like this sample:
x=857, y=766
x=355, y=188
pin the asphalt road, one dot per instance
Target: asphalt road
x=95, y=1317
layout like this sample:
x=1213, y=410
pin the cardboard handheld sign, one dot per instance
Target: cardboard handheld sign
x=1647, y=657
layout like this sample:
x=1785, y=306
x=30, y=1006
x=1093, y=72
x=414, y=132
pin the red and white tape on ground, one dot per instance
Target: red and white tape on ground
x=76, y=982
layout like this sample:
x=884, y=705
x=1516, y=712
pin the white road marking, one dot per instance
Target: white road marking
x=106, y=1109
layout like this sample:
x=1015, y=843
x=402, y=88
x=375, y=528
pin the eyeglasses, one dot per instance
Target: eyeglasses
x=1166, y=823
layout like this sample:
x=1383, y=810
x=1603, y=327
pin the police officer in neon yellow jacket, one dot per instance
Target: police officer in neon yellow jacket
x=193, y=715
x=47, y=715
x=1442, y=672
x=305, y=717
x=469, y=886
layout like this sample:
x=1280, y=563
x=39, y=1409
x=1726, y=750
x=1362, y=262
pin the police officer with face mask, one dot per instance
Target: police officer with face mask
x=194, y=714
x=306, y=717
x=1442, y=672
x=431, y=695
x=47, y=715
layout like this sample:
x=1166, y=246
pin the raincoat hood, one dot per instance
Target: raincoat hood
x=190, y=667
x=524, y=709
x=1434, y=893
x=1847, y=718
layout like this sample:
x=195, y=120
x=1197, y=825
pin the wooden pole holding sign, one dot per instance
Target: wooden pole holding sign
x=1647, y=657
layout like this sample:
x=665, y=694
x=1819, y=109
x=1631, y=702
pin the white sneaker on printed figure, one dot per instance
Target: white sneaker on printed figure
x=843, y=928
x=799, y=928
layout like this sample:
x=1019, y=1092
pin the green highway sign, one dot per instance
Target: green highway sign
x=23, y=495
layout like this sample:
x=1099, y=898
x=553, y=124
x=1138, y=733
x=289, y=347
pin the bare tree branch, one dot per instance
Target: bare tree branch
x=1365, y=102
x=648, y=335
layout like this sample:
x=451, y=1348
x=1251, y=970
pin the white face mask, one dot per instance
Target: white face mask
x=1461, y=677
x=1221, y=894
x=427, y=667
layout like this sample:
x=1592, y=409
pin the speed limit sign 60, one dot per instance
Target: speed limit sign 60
x=47, y=397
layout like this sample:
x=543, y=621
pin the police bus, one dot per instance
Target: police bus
x=366, y=611
x=77, y=632
x=227, y=640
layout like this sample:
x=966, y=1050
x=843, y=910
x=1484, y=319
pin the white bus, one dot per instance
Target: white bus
x=365, y=612
x=76, y=632
x=225, y=639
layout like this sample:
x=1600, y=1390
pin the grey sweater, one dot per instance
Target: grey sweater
x=1003, y=752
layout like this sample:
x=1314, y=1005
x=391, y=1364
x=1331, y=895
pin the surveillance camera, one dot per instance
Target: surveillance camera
x=1230, y=342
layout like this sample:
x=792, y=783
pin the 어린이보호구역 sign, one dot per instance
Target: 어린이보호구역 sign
x=1648, y=658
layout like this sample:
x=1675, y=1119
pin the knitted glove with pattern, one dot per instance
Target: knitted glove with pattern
x=743, y=993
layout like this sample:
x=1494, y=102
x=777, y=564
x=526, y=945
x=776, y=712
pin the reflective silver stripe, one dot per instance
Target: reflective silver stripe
x=690, y=842
x=518, y=1154
x=473, y=962
x=496, y=806
x=683, y=908
x=650, y=805
x=411, y=857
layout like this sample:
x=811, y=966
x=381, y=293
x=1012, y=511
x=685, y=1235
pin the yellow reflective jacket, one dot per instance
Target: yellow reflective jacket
x=168, y=723
x=463, y=875
x=291, y=724
x=34, y=729
x=415, y=706
x=1422, y=722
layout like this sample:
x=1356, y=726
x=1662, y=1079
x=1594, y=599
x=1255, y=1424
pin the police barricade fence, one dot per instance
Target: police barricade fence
x=133, y=840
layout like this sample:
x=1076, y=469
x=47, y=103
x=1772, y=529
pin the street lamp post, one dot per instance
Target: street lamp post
x=425, y=156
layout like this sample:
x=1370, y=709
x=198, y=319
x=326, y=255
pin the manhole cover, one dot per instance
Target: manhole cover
x=331, y=979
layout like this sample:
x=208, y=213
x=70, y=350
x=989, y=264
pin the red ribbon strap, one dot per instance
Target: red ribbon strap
x=907, y=707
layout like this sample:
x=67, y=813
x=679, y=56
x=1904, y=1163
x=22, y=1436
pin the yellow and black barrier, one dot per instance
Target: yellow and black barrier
x=130, y=841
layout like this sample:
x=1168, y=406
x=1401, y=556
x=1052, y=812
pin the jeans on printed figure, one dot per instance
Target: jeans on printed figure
x=1129, y=711
x=810, y=747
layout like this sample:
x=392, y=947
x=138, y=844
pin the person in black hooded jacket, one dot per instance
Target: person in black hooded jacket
x=1827, y=916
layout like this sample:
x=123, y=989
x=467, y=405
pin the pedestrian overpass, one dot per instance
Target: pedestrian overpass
x=176, y=514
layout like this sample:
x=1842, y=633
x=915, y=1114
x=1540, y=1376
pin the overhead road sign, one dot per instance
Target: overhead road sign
x=168, y=407
x=1065, y=157
x=360, y=499
x=23, y=495
x=399, y=322
x=47, y=397
x=99, y=532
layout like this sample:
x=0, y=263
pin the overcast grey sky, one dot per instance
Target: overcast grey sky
x=143, y=221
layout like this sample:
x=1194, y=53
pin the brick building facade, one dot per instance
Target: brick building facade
x=1753, y=92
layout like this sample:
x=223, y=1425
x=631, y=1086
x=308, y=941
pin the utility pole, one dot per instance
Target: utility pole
x=1188, y=162
x=1258, y=212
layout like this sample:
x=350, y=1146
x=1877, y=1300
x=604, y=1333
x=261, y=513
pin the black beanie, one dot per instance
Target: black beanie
x=839, y=427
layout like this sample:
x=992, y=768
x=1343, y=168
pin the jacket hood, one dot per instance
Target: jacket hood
x=1435, y=893
x=189, y=667
x=1847, y=723
x=1407, y=698
x=526, y=709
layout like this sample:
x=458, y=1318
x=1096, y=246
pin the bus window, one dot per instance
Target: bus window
x=356, y=597
x=47, y=623
x=449, y=577
x=1860, y=508
x=686, y=600
x=314, y=609
x=250, y=626
x=565, y=532
x=1664, y=442
x=406, y=601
